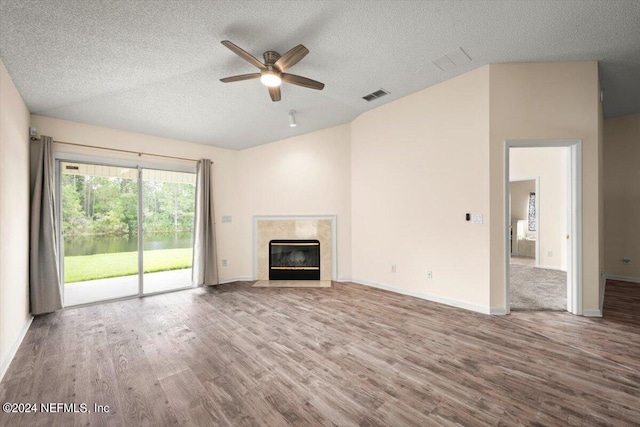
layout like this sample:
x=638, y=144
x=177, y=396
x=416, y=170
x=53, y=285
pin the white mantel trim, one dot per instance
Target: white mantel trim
x=334, y=241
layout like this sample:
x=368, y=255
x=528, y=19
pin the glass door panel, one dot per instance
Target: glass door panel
x=99, y=215
x=168, y=207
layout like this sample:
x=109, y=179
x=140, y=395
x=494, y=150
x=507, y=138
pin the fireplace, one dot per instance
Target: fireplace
x=294, y=260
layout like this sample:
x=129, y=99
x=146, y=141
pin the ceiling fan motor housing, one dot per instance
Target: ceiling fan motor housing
x=270, y=57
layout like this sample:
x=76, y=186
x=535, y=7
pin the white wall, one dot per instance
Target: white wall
x=14, y=217
x=224, y=167
x=303, y=175
x=418, y=165
x=551, y=167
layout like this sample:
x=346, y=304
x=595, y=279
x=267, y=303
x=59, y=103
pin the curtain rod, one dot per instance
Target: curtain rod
x=139, y=153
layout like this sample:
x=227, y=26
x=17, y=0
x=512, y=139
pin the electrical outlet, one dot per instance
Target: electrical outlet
x=393, y=268
x=225, y=263
x=476, y=219
x=550, y=253
x=429, y=274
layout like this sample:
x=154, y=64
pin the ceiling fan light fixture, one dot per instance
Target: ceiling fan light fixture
x=272, y=71
x=270, y=78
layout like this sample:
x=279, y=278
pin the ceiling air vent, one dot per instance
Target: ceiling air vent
x=452, y=59
x=375, y=95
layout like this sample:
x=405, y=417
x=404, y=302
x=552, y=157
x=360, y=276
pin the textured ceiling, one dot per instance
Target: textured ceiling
x=154, y=66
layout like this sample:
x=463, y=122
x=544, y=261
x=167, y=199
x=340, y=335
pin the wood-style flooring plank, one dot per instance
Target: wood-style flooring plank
x=342, y=356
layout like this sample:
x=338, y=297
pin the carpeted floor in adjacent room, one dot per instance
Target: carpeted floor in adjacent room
x=537, y=289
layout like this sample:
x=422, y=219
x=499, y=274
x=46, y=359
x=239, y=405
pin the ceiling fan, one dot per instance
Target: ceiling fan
x=272, y=71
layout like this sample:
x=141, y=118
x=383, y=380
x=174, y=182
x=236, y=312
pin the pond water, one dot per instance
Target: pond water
x=91, y=245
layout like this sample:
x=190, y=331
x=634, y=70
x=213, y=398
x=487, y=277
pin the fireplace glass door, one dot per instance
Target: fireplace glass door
x=294, y=260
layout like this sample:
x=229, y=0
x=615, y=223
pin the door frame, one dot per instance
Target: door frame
x=60, y=157
x=574, y=216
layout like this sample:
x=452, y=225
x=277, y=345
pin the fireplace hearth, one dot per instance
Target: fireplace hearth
x=294, y=260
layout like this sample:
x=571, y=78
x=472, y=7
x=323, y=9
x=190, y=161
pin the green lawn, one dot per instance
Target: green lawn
x=102, y=266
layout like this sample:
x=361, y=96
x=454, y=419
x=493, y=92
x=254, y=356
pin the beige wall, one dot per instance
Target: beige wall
x=418, y=165
x=14, y=216
x=303, y=175
x=225, y=167
x=401, y=177
x=550, y=166
x=622, y=196
x=547, y=101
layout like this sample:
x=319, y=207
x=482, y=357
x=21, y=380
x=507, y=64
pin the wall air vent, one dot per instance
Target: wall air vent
x=375, y=95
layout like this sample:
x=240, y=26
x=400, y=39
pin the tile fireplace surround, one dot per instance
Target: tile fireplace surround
x=271, y=227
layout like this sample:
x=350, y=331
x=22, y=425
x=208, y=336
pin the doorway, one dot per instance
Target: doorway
x=538, y=283
x=125, y=231
x=542, y=184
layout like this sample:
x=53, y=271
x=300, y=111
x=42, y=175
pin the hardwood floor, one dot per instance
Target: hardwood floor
x=346, y=355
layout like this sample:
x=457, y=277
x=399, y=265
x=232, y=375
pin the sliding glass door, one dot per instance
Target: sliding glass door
x=126, y=231
x=168, y=206
x=99, y=232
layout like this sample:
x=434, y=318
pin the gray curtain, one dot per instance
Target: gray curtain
x=44, y=278
x=205, y=258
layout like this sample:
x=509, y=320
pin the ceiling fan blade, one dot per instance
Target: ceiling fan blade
x=243, y=54
x=302, y=81
x=274, y=92
x=291, y=58
x=240, y=78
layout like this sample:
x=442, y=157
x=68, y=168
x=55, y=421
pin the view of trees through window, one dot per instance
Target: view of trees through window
x=109, y=206
x=100, y=220
x=99, y=206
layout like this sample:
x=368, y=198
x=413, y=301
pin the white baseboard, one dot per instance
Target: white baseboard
x=592, y=313
x=498, y=311
x=425, y=296
x=14, y=349
x=235, y=279
x=548, y=267
x=343, y=279
x=622, y=278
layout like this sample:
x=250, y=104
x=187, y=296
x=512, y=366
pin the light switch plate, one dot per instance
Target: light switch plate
x=226, y=218
x=476, y=218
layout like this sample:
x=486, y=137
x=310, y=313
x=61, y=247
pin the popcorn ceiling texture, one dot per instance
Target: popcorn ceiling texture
x=153, y=67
